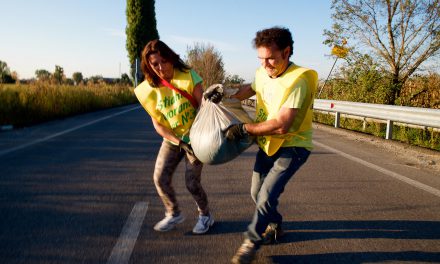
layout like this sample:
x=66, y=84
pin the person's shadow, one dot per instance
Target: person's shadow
x=375, y=229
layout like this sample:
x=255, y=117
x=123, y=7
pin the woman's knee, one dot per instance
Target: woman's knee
x=161, y=182
x=193, y=186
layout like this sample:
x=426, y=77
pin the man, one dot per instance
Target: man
x=284, y=94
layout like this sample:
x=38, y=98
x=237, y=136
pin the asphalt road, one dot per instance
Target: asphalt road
x=80, y=190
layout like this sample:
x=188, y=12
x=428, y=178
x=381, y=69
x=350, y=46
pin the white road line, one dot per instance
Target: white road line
x=4, y=152
x=384, y=171
x=124, y=246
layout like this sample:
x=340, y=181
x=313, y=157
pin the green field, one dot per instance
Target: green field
x=28, y=104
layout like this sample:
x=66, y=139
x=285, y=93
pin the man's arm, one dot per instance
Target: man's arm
x=244, y=93
x=285, y=116
x=277, y=126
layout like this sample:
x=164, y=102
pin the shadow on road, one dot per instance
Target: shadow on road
x=360, y=257
x=380, y=229
x=313, y=230
x=321, y=230
x=225, y=227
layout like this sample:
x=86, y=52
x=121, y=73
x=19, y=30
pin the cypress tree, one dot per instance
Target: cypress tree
x=141, y=28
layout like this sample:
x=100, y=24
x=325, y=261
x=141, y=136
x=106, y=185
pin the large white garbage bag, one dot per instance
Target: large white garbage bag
x=206, y=135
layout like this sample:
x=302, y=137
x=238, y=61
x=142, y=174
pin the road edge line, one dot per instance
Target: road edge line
x=7, y=151
x=395, y=175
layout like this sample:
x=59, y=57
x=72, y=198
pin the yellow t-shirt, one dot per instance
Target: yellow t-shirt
x=169, y=107
x=295, y=88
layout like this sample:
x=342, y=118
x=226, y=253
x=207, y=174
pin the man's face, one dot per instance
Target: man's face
x=273, y=60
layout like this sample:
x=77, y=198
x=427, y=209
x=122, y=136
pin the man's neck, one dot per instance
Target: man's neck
x=283, y=71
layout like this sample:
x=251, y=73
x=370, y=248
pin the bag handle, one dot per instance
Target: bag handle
x=185, y=94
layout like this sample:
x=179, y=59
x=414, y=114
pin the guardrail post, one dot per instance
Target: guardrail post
x=389, y=133
x=337, y=119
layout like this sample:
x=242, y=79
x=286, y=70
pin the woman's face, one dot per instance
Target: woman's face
x=161, y=67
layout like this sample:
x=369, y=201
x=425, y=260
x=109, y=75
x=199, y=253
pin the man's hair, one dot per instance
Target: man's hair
x=159, y=47
x=279, y=36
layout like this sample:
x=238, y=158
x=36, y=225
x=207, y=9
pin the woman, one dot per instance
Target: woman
x=171, y=93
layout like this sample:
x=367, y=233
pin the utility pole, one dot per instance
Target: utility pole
x=136, y=73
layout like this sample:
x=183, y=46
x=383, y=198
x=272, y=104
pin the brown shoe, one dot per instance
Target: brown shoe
x=273, y=234
x=246, y=253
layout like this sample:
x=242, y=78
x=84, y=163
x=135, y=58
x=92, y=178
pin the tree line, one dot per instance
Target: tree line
x=58, y=77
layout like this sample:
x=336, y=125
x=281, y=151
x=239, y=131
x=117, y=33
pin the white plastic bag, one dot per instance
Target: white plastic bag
x=206, y=135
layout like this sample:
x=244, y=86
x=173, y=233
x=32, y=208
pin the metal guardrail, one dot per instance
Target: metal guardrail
x=389, y=114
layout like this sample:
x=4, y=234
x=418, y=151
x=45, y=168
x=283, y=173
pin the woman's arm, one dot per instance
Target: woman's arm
x=165, y=132
x=198, y=93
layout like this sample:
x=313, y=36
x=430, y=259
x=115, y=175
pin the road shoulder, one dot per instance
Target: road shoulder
x=412, y=155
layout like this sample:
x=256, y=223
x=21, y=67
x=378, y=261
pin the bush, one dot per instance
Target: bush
x=207, y=62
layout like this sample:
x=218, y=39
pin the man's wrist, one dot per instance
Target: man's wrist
x=244, y=130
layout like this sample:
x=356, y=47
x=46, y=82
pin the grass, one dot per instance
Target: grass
x=427, y=138
x=29, y=104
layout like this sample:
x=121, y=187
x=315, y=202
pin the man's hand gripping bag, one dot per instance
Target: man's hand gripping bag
x=206, y=135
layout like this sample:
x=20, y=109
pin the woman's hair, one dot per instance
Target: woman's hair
x=279, y=36
x=157, y=46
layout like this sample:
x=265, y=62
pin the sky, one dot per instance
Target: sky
x=88, y=36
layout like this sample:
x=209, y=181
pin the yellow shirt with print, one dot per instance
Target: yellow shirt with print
x=295, y=88
x=168, y=107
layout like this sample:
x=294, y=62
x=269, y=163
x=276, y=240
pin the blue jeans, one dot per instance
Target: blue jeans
x=270, y=176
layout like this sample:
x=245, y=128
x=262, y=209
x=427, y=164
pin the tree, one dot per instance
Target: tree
x=5, y=73
x=42, y=75
x=125, y=79
x=207, y=62
x=233, y=80
x=58, y=74
x=95, y=79
x=15, y=77
x=141, y=28
x=4, y=69
x=77, y=77
x=359, y=81
x=69, y=81
x=400, y=35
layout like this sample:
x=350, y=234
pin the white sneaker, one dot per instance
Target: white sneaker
x=169, y=222
x=203, y=224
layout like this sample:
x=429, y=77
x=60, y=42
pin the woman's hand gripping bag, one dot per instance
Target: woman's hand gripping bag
x=207, y=132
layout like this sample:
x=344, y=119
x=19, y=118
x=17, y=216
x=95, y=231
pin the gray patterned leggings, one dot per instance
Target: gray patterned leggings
x=166, y=163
